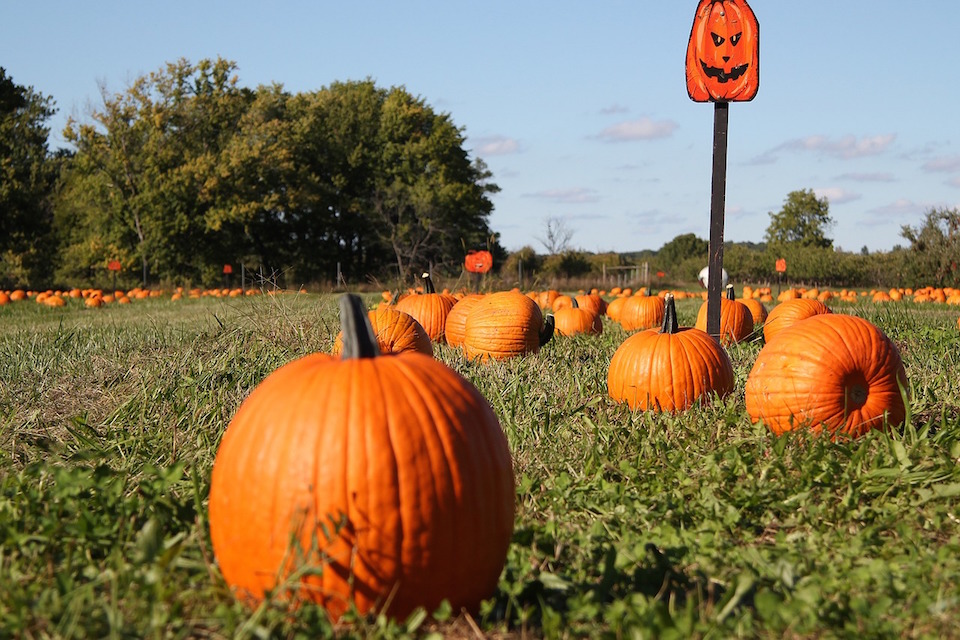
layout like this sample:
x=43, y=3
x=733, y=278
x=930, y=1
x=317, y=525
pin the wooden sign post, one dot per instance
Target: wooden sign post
x=781, y=266
x=114, y=266
x=723, y=66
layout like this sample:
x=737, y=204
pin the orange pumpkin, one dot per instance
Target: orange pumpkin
x=614, y=308
x=670, y=368
x=429, y=308
x=789, y=312
x=642, y=312
x=757, y=310
x=505, y=324
x=592, y=302
x=575, y=320
x=723, y=53
x=382, y=481
x=456, y=326
x=736, y=320
x=831, y=371
x=395, y=331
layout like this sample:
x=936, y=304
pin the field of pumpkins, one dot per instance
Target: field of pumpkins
x=506, y=463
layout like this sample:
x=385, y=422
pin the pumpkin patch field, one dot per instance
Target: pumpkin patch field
x=513, y=493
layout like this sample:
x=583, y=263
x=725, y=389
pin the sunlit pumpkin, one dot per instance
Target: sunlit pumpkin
x=789, y=312
x=381, y=481
x=831, y=371
x=429, y=308
x=736, y=319
x=456, y=326
x=575, y=320
x=642, y=312
x=670, y=368
x=396, y=332
x=723, y=54
x=505, y=324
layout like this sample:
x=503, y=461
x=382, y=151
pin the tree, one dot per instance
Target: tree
x=681, y=248
x=148, y=164
x=803, y=220
x=27, y=177
x=935, y=248
x=186, y=171
x=428, y=196
x=556, y=235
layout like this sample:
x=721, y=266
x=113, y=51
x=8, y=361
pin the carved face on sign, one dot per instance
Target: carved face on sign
x=723, y=55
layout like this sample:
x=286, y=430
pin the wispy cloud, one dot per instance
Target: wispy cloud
x=496, y=146
x=576, y=195
x=954, y=182
x=614, y=109
x=642, y=129
x=845, y=147
x=943, y=163
x=653, y=218
x=899, y=208
x=836, y=195
x=879, y=176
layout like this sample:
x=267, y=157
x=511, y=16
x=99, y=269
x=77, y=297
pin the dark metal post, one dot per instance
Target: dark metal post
x=717, y=196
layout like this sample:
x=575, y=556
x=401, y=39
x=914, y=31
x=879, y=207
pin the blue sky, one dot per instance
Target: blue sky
x=579, y=109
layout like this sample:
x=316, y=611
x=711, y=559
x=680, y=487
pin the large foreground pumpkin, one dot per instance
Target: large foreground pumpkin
x=830, y=371
x=670, y=368
x=387, y=478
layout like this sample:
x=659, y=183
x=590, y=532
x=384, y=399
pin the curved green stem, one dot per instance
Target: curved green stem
x=359, y=341
x=428, y=284
x=670, y=324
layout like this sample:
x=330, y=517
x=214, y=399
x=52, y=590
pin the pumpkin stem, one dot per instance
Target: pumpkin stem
x=730, y=292
x=359, y=341
x=670, y=324
x=573, y=302
x=428, y=284
x=547, y=332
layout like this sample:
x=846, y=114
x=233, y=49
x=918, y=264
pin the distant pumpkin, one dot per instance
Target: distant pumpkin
x=395, y=331
x=429, y=308
x=736, y=319
x=576, y=320
x=789, y=312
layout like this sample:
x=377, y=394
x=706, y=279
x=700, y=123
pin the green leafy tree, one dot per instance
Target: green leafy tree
x=428, y=197
x=935, y=248
x=186, y=171
x=27, y=176
x=803, y=220
x=681, y=248
x=146, y=164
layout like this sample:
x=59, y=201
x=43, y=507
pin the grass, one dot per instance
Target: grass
x=628, y=524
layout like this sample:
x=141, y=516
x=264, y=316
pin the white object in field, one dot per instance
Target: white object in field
x=705, y=274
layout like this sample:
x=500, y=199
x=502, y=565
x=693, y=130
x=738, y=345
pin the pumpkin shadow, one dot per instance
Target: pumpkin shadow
x=670, y=590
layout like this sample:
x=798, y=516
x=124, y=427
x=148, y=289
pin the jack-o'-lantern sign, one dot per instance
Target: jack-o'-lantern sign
x=723, y=55
x=478, y=261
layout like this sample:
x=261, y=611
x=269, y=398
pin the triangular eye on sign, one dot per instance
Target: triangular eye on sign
x=723, y=55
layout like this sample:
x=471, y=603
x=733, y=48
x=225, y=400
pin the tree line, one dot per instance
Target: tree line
x=798, y=233
x=186, y=171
